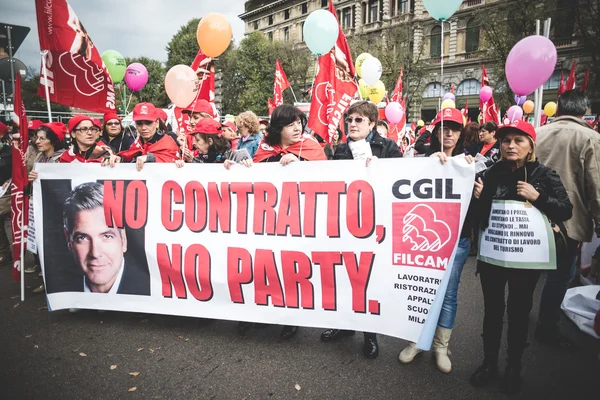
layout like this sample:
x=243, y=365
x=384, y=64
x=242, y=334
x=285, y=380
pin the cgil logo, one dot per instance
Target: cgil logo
x=424, y=234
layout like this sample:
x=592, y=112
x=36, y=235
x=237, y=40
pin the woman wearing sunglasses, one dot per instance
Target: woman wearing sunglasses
x=114, y=134
x=86, y=147
x=152, y=144
x=361, y=121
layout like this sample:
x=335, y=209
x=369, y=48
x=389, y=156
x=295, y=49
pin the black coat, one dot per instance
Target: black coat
x=492, y=156
x=380, y=147
x=500, y=183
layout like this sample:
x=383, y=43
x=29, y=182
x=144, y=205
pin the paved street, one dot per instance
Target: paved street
x=64, y=355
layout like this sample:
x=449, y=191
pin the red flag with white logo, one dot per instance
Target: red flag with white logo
x=75, y=73
x=281, y=83
x=571, y=80
x=19, y=206
x=397, y=93
x=272, y=106
x=334, y=87
x=561, y=86
x=586, y=79
x=489, y=111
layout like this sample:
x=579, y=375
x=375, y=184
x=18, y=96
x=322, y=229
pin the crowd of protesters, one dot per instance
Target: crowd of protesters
x=554, y=168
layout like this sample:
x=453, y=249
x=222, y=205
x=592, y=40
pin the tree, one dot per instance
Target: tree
x=34, y=102
x=154, y=91
x=183, y=47
x=587, y=16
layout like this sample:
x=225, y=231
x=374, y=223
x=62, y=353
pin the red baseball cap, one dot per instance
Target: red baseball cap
x=108, y=116
x=97, y=122
x=35, y=124
x=207, y=126
x=230, y=125
x=3, y=128
x=145, y=112
x=59, y=129
x=162, y=115
x=79, y=118
x=449, y=115
x=521, y=126
x=201, y=106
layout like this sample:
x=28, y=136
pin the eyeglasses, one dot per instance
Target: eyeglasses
x=86, y=129
x=358, y=120
x=39, y=138
x=113, y=123
x=142, y=123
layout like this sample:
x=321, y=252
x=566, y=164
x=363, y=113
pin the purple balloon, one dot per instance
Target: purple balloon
x=515, y=113
x=530, y=63
x=449, y=96
x=485, y=93
x=136, y=76
x=394, y=112
x=520, y=100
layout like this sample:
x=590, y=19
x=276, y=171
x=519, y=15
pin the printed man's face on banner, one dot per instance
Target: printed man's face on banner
x=98, y=249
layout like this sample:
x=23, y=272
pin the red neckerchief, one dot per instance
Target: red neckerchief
x=164, y=150
x=306, y=148
x=94, y=154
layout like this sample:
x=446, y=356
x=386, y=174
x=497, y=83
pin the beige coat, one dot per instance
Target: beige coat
x=572, y=149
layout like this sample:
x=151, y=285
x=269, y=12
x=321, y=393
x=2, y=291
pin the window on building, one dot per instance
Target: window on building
x=435, y=42
x=346, y=18
x=304, y=8
x=270, y=20
x=302, y=32
x=468, y=87
x=434, y=89
x=255, y=25
x=270, y=36
x=364, y=13
x=286, y=34
x=324, y=3
x=373, y=11
x=554, y=81
x=403, y=6
x=286, y=14
x=472, y=43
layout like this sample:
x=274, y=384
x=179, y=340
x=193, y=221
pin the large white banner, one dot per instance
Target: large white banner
x=321, y=244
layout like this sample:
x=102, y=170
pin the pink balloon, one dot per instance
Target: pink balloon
x=394, y=112
x=485, y=93
x=136, y=76
x=180, y=84
x=530, y=64
x=515, y=113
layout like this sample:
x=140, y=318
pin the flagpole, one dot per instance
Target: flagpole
x=23, y=250
x=294, y=94
x=46, y=85
x=441, y=133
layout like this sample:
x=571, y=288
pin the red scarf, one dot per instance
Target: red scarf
x=164, y=150
x=306, y=148
x=95, y=154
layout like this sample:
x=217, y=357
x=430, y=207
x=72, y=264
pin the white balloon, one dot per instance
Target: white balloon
x=371, y=70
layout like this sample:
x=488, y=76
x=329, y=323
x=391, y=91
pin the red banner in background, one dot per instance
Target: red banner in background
x=75, y=73
x=489, y=110
x=281, y=83
x=19, y=205
x=334, y=87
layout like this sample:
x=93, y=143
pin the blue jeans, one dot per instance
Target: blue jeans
x=448, y=313
x=555, y=288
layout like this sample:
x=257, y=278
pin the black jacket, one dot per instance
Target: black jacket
x=423, y=144
x=492, y=156
x=380, y=147
x=500, y=183
x=5, y=161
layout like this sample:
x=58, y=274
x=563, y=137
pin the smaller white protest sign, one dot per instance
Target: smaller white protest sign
x=518, y=236
x=31, y=244
x=361, y=149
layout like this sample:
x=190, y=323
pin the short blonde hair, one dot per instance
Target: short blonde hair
x=248, y=120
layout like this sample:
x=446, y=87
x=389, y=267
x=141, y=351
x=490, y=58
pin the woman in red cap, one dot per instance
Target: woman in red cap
x=230, y=133
x=152, y=144
x=114, y=134
x=49, y=140
x=518, y=176
x=86, y=148
x=445, y=143
x=211, y=145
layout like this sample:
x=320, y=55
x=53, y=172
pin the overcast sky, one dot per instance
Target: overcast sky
x=134, y=28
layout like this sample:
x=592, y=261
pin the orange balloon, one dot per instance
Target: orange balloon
x=213, y=34
x=528, y=107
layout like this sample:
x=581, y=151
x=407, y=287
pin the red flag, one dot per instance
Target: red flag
x=561, y=86
x=571, y=80
x=489, y=111
x=19, y=204
x=334, y=87
x=397, y=93
x=452, y=90
x=586, y=78
x=76, y=75
x=465, y=111
x=413, y=127
x=281, y=83
x=272, y=106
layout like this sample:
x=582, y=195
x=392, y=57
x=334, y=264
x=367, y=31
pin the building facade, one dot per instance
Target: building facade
x=464, y=49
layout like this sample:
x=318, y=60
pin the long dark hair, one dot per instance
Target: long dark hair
x=435, y=139
x=281, y=117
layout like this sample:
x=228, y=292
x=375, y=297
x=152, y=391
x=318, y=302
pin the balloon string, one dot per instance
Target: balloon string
x=128, y=103
x=312, y=86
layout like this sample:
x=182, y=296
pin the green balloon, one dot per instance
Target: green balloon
x=115, y=64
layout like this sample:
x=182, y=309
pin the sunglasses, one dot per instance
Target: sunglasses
x=113, y=123
x=358, y=120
